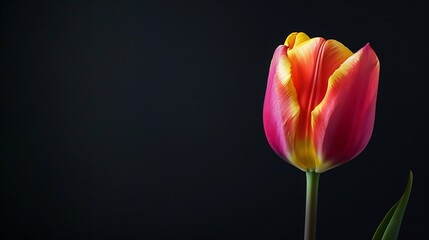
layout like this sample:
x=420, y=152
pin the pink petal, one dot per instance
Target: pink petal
x=280, y=105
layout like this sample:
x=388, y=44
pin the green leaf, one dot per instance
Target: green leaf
x=389, y=227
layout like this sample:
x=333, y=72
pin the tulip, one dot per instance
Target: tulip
x=319, y=105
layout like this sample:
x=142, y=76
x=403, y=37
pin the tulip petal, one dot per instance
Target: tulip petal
x=280, y=105
x=295, y=39
x=332, y=55
x=343, y=122
x=305, y=58
x=314, y=61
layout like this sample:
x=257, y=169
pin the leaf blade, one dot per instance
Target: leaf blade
x=391, y=223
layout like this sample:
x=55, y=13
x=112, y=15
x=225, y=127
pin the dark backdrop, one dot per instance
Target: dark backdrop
x=143, y=120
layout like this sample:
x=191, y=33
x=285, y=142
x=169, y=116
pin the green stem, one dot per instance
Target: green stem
x=311, y=205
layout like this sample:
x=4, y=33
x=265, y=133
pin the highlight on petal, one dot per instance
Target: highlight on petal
x=343, y=121
x=280, y=106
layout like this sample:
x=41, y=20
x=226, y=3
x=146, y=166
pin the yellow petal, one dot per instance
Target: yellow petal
x=295, y=39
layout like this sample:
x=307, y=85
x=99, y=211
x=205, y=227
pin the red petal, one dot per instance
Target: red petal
x=343, y=122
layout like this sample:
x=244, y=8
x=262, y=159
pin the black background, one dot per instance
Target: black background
x=143, y=120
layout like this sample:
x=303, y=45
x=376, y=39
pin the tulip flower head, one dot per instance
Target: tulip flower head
x=319, y=106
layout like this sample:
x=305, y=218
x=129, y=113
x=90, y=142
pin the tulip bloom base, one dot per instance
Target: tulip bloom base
x=311, y=205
